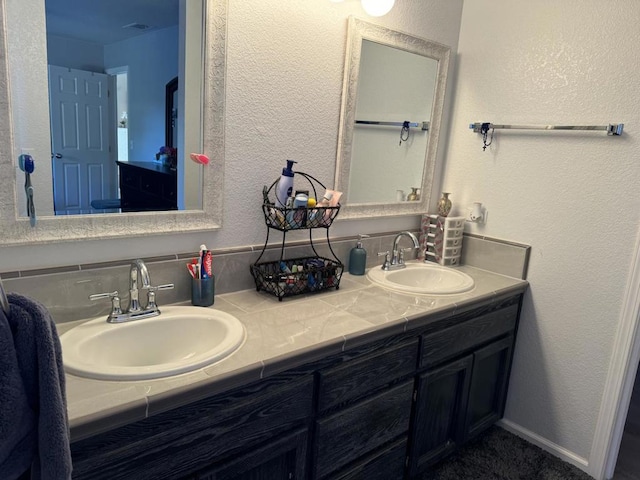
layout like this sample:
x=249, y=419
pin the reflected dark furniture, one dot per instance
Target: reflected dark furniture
x=147, y=186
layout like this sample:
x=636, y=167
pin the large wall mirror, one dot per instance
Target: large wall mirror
x=129, y=127
x=392, y=102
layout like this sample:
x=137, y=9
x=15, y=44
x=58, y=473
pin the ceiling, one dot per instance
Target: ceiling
x=102, y=22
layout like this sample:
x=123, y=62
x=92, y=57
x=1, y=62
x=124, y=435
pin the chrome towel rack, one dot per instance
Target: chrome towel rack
x=4, y=303
x=423, y=125
x=611, y=129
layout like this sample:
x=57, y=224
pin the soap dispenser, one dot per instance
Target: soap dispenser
x=358, y=258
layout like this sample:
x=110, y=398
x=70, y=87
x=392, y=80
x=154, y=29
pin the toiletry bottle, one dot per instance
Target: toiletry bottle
x=358, y=258
x=324, y=214
x=284, y=188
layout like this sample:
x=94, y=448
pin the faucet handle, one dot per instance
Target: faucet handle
x=402, y=252
x=166, y=286
x=116, y=309
x=151, y=294
x=385, y=265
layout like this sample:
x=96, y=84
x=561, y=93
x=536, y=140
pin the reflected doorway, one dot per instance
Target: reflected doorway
x=80, y=153
x=121, y=101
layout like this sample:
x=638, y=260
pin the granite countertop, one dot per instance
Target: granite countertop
x=280, y=335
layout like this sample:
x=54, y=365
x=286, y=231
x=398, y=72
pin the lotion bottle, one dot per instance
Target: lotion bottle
x=358, y=258
x=284, y=189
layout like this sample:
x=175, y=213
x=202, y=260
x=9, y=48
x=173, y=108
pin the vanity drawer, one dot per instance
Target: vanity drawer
x=130, y=177
x=355, y=431
x=384, y=464
x=454, y=340
x=454, y=242
x=189, y=438
x=152, y=184
x=169, y=190
x=452, y=252
x=356, y=377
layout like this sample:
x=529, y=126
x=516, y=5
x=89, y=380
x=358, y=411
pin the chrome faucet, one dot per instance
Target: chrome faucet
x=137, y=266
x=397, y=254
x=135, y=311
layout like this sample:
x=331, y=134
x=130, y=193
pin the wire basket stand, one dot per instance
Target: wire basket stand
x=295, y=276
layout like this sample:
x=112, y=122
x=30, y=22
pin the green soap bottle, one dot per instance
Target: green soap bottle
x=358, y=258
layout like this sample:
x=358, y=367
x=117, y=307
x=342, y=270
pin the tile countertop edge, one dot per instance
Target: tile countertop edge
x=142, y=406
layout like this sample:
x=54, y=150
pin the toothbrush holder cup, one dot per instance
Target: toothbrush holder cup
x=202, y=291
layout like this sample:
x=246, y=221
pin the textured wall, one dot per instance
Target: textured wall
x=572, y=196
x=284, y=87
x=29, y=84
x=285, y=71
x=152, y=60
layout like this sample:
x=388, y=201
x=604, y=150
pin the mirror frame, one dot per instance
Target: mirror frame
x=171, y=90
x=360, y=30
x=15, y=230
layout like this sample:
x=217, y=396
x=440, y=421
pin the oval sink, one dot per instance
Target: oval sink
x=422, y=278
x=179, y=340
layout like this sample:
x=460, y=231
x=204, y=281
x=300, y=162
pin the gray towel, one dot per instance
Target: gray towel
x=17, y=420
x=36, y=417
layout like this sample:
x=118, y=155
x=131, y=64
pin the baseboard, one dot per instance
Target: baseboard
x=543, y=443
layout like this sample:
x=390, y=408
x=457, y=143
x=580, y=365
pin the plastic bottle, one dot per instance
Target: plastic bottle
x=284, y=188
x=358, y=258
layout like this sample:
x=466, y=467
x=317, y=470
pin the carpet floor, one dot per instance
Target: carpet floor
x=500, y=455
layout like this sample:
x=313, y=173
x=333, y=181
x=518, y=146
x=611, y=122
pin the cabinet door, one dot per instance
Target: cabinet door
x=488, y=389
x=282, y=459
x=439, y=413
x=354, y=432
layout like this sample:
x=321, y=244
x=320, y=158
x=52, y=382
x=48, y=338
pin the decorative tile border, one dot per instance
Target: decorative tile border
x=65, y=290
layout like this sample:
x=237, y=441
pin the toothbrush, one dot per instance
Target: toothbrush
x=27, y=165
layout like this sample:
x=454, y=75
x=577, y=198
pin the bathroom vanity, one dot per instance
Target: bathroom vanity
x=384, y=402
x=147, y=186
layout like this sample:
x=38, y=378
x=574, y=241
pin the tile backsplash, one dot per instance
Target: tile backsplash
x=498, y=256
x=65, y=290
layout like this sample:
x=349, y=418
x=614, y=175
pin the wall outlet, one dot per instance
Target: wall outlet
x=477, y=213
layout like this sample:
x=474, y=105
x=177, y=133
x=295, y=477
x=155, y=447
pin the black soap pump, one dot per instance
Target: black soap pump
x=358, y=258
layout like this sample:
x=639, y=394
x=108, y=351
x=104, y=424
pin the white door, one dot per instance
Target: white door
x=82, y=168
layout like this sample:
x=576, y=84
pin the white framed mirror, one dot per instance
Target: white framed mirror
x=207, y=124
x=392, y=103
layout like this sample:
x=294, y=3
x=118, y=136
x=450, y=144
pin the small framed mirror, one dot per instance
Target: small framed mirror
x=392, y=102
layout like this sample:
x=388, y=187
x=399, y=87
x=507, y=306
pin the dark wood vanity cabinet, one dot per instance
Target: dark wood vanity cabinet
x=364, y=403
x=147, y=186
x=385, y=410
x=462, y=387
x=212, y=438
x=281, y=459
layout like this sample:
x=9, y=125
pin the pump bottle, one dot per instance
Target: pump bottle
x=284, y=188
x=358, y=258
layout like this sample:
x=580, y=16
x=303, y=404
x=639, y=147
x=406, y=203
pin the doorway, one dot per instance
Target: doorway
x=120, y=79
x=81, y=160
x=628, y=463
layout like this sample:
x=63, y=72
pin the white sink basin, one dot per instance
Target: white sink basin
x=179, y=340
x=422, y=278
